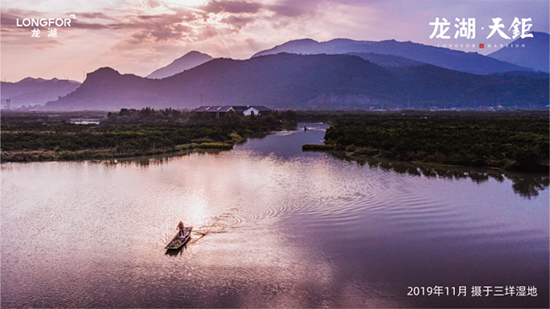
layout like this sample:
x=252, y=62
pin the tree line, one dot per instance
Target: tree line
x=27, y=137
x=504, y=140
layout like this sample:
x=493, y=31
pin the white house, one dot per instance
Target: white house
x=251, y=110
x=257, y=110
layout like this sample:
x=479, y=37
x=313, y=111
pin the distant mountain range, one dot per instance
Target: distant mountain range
x=305, y=74
x=35, y=91
x=535, y=54
x=442, y=57
x=308, y=82
x=186, y=62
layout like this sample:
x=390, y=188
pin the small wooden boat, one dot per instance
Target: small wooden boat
x=180, y=239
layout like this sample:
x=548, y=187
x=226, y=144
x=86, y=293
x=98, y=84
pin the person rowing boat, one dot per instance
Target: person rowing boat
x=183, y=235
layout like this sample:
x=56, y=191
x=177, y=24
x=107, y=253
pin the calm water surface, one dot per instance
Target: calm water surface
x=273, y=227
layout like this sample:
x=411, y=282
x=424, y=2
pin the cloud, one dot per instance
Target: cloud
x=76, y=24
x=153, y=3
x=285, y=10
x=289, y=8
x=154, y=21
x=169, y=32
x=237, y=22
x=9, y=18
x=92, y=15
x=234, y=7
x=207, y=32
x=26, y=42
x=44, y=44
x=154, y=28
x=138, y=38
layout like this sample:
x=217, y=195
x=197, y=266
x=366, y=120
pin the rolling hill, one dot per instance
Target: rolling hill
x=305, y=82
x=31, y=91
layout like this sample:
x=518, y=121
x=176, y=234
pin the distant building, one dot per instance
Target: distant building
x=216, y=111
x=220, y=111
x=239, y=109
x=257, y=110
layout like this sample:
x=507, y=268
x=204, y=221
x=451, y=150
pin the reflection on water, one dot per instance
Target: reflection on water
x=272, y=227
x=526, y=185
x=158, y=159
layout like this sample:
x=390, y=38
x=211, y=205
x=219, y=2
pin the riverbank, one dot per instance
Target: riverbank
x=53, y=137
x=91, y=154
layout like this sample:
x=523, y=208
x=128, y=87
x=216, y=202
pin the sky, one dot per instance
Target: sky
x=140, y=36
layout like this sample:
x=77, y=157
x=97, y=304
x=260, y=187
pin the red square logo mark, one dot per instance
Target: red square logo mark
x=481, y=45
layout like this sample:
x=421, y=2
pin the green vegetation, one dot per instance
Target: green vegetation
x=52, y=136
x=317, y=147
x=510, y=141
x=216, y=145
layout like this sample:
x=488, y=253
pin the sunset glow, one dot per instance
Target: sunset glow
x=141, y=36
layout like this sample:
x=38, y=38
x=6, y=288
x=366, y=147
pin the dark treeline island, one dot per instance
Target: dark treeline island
x=130, y=132
x=509, y=141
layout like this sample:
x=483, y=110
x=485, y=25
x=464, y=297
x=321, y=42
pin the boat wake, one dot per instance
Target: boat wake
x=222, y=223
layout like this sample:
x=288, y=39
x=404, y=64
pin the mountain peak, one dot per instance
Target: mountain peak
x=291, y=47
x=543, y=34
x=533, y=53
x=37, y=80
x=185, y=62
x=194, y=52
x=302, y=41
x=104, y=74
x=26, y=80
x=31, y=80
x=105, y=71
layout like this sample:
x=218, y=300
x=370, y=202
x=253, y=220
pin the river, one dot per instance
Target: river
x=272, y=227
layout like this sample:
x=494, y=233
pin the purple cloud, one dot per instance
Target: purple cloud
x=92, y=15
x=237, y=22
x=231, y=7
